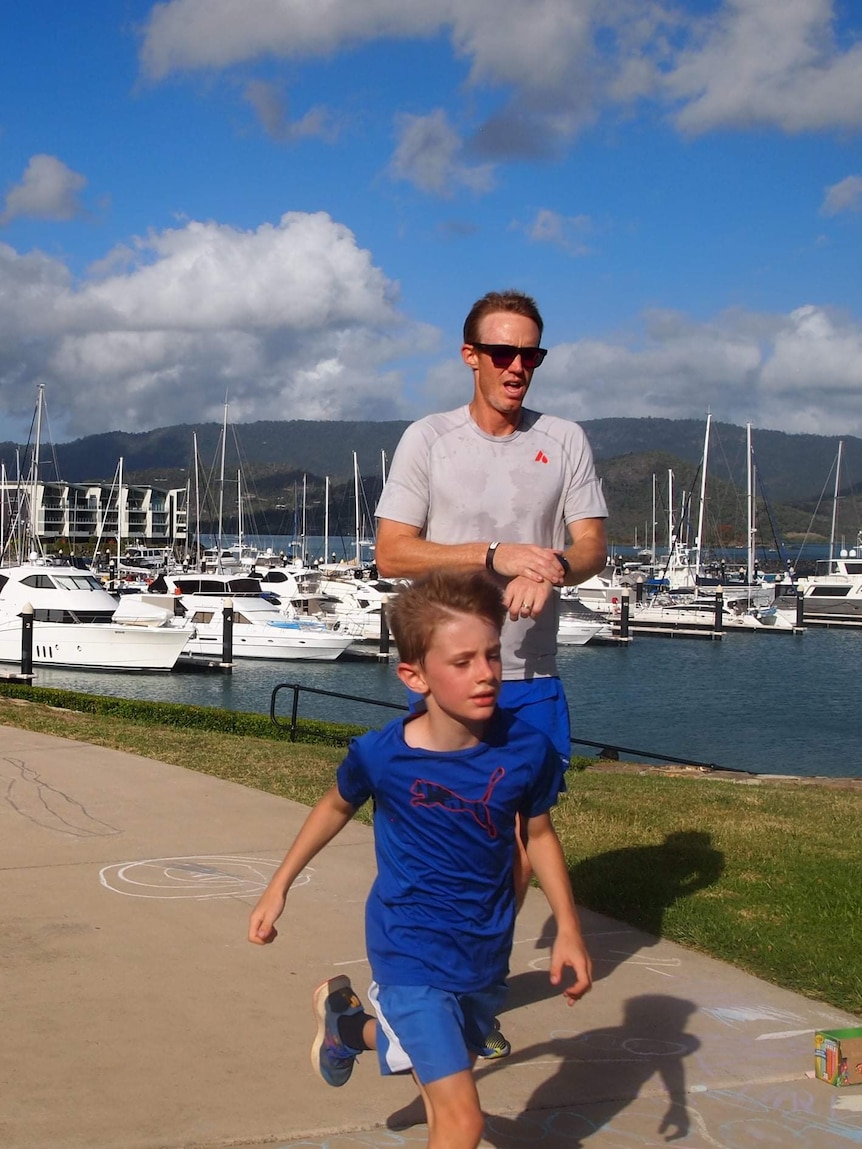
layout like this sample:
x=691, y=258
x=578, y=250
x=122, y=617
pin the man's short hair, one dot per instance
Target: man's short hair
x=416, y=613
x=515, y=302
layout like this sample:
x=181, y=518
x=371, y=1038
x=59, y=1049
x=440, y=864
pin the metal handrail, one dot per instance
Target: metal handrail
x=297, y=687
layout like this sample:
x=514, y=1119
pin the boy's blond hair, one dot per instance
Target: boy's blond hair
x=416, y=612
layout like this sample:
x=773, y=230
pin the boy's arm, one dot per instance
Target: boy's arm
x=327, y=818
x=549, y=865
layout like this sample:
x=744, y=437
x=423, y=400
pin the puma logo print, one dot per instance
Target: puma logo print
x=430, y=794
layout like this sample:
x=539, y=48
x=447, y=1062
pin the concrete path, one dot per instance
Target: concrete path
x=136, y=1016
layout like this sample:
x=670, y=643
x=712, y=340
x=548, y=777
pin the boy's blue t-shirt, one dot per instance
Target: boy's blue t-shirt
x=441, y=911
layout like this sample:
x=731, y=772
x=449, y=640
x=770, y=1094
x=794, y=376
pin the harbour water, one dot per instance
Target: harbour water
x=766, y=703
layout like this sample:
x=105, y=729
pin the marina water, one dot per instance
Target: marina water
x=761, y=702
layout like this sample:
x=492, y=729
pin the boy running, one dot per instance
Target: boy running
x=446, y=782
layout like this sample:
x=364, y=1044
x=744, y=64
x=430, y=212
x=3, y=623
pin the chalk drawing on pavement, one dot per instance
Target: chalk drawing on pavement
x=199, y=877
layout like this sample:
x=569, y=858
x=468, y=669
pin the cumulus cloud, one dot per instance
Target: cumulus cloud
x=430, y=156
x=560, y=64
x=846, y=195
x=567, y=232
x=271, y=106
x=294, y=320
x=48, y=190
x=187, y=34
x=797, y=372
x=772, y=63
x=291, y=320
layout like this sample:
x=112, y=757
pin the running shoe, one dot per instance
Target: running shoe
x=495, y=1044
x=331, y=1059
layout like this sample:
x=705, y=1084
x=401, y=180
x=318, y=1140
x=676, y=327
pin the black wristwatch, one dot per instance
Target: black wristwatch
x=564, y=563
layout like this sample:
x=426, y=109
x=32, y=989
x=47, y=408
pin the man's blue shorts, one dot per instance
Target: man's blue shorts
x=434, y=1032
x=541, y=702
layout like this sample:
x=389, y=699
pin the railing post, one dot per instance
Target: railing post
x=27, y=640
x=293, y=713
x=227, y=637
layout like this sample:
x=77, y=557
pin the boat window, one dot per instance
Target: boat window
x=241, y=618
x=829, y=591
x=203, y=616
x=39, y=581
x=78, y=582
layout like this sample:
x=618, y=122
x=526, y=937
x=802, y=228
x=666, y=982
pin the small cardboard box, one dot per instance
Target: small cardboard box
x=838, y=1056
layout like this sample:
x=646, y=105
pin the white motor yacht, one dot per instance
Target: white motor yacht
x=75, y=623
x=260, y=630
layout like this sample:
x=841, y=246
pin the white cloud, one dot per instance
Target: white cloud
x=798, y=372
x=846, y=195
x=271, y=107
x=48, y=190
x=560, y=64
x=185, y=34
x=292, y=320
x=429, y=155
x=768, y=63
x=564, y=231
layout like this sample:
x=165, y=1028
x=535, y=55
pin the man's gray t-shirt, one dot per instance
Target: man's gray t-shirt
x=459, y=484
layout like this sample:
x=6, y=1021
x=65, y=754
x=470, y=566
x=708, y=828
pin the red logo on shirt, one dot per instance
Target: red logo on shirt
x=541, y=457
x=428, y=794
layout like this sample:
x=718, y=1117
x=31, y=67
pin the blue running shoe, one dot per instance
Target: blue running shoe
x=331, y=1059
x=495, y=1044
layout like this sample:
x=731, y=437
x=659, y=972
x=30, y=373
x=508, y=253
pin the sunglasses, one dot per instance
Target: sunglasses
x=503, y=354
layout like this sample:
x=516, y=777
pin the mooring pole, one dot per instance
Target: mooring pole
x=383, y=652
x=227, y=637
x=718, y=622
x=27, y=640
x=625, y=594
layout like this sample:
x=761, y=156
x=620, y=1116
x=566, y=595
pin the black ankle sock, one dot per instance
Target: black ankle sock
x=350, y=1030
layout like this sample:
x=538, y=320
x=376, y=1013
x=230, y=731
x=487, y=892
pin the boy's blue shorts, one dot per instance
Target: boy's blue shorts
x=434, y=1032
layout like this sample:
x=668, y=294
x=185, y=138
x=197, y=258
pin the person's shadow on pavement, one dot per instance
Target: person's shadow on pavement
x=635, y=885
x=600, y=1072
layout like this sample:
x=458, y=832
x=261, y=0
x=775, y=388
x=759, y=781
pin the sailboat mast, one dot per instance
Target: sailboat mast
x=750, y=492
x=240, y=524
x=356, y=501
x=197, y=505
x=119, y=509
x=701, y=514
x=326, y=520
x=221, y=492
x=835, y=502
x=304, y=518
x=35, y=541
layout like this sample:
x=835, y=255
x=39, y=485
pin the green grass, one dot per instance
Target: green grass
x=764, y=876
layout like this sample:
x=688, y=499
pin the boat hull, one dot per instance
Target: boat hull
x=97, y=646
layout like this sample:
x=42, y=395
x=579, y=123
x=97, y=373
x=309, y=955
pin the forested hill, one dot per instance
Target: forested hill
x=794, y=469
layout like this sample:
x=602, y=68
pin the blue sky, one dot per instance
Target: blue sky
x=292, y=204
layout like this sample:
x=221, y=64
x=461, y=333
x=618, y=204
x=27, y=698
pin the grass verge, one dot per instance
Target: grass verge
x=764, y=876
